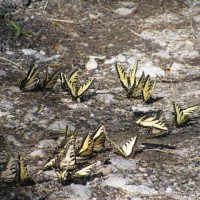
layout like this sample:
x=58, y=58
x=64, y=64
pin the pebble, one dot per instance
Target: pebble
x=58, y=125
x=77, y=191
x=123, y=164
x=91, y=65
x=196, y=18
x=116, y=182
x=13, y=89
x=121, y=58
x=151, y=70
x=139, y=190
x=29, y=51
x=125, y=12
x=46, y=143
x=37, y=153
x=110, y=61
x=106, y=98
x=14, y=141
x=2, y=72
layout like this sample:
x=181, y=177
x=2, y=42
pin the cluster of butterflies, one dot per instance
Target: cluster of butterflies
x=71, y=162
x=136, y=88
x=16, y=172
x=68, y=83
x=157, y=125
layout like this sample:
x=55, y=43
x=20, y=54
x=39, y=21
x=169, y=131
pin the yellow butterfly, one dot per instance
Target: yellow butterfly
x=148, y=88
x=128, y=82
x=182, y=115
x=50, y=81
x=9, y=175
x=137, y=91
x=68, y=159
x=153, y=122
x=24, y=176
x=99, y=138
x=66, y=176
x=127, y=149
x=86, y=147
x=31, y=82
x=73, y=78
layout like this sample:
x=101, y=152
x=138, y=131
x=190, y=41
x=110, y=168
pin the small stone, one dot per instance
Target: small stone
x=46, y=143
x=29, y=51
x=2, y=72
x=121, y=58
x=106, y=98
x=196, y=18
x=168, y=190
x=124, y=12
x=124, y=164
x=110, y=61
x=37, y=153
x=14, y=141
x=91, y=65
x=115, y=182
x=13, y=89
x=151, y=70
x=177, y=67
x=58, y=125
x=139, y=189
x=77, y=191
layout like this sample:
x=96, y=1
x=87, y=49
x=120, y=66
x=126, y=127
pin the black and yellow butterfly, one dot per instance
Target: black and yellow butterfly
x=73, y=78
x=31, y=82
x=156, y=125
x=72, y=84
x=86, y=148
x=128, y=82
x=99, y=138
x=68, y=159
x=50, y=81
x=24, y=177
x=182, y=115
x=67, y=176
x=137, y=91
x=65, y=155
x=127, y=149
x=148, y=88
x=9, y=174
x=153, y=122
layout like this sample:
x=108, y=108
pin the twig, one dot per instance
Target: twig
x=61, y=20
x=46, y=4
x=132, y=31
x=2, y=58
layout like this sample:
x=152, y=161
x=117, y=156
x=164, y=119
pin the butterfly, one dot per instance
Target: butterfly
x=73, y=78
x=24, y=177
x=66, y=176
x=86, y=148
x=157, y=122
x=72, y=84
x=99, y=138
x=68, y=159
x=127, y=149
x=9, y=175
x=65, y=155
x=148, y=88
x=182, y=115
x=137, y=91
x=50, y=81
x=128, y=82
x=31, y=82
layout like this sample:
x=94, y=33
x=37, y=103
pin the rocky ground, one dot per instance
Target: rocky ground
x=163, y=35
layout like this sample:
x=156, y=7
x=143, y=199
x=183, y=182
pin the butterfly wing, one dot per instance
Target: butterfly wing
x=31, y=82
x=122, y=77
x=99, y=138
x=86, y=147
x=10, y=173
x=86, y=171
x=72, y=88
x=133, y=75
x=146, y=91
x=84, y=87
x=24, y=176
x=69, y=159
x=49, y=82
x=128, y=147
x=137, y=91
